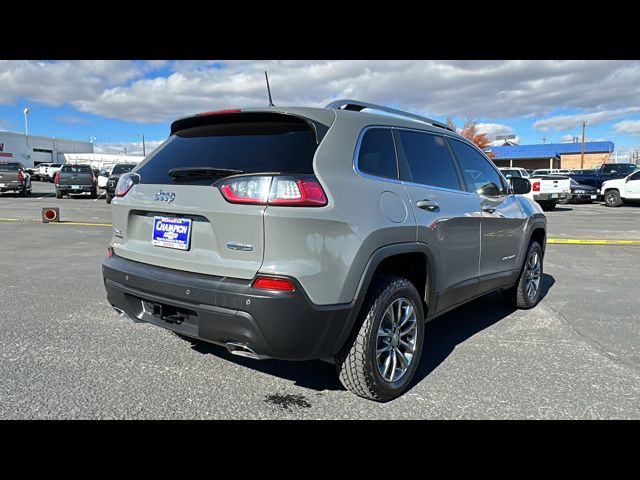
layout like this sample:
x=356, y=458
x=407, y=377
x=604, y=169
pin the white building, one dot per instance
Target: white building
x=31, y=150
x=98, y=160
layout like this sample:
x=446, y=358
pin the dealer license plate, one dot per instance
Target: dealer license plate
x=171, y=232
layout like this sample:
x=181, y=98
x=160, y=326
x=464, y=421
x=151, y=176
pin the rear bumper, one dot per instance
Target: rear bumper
x=12, y=187
x=283, y=325
x=549, y=197
x=81, y=188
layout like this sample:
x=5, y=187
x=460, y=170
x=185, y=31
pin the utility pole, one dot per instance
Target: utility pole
x=582, y=150
x=144, y=150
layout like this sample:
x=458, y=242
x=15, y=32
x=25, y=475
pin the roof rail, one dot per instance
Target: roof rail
x=357, y=106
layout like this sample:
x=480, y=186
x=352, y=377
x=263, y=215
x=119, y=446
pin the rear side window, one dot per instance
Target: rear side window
x=480, y=176
x=377, y=155
x=285, y=146
x=9, y=167
x=429, y=160
x=612, y=168
x=76, y=169
x=511, y=173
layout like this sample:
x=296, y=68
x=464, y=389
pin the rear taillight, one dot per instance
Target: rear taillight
x=57, y=178
x=125, y=182
x=91, y=180
x=536, y=186
x=273, y=283
x=109, y=252
x=219, y=112
x=291, y=191
x=20, y=176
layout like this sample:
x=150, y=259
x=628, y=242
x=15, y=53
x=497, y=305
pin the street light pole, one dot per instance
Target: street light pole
x=26, y=125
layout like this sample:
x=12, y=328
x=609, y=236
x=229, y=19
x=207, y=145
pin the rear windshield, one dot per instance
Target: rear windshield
x=76, y=169
x=118, y=169
x=9, y=167
x=511, y=173
x=251, y=147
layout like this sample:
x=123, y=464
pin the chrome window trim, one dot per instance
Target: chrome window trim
x=357, y=170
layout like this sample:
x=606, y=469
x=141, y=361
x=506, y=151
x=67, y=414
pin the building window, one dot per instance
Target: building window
x=42, y=150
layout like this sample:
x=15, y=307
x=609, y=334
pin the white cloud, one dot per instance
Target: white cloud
x=631, y=127
x=481, y=89
x=493, y=129
x=569, y=122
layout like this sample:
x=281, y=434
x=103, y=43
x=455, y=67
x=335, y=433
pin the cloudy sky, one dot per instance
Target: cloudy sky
x=116, y=101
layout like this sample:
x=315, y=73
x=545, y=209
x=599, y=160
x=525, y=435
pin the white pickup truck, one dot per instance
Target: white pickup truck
x=617, y=191
x=548, y=190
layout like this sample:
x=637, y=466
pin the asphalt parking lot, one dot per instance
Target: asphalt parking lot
x=64, y=353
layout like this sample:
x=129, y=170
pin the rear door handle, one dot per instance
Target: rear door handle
x=488, y=209
x=426, y=204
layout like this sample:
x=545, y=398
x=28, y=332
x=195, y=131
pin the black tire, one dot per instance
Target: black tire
x=516, y=296
x=612, y=198
x=109, y=197
x=357, y=361
x=58, y=193
x=94, y=193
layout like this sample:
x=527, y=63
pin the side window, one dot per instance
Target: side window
x=429, y=160
x=608, y=169
x=635, y=176
x=480, y=176
x=377, y=154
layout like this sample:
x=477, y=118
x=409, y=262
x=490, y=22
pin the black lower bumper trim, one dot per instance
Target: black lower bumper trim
x=283, y=325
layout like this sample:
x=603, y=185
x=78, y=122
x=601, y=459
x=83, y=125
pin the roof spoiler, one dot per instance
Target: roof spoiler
x=356, y=105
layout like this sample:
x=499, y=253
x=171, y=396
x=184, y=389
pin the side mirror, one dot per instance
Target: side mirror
x=520, y=186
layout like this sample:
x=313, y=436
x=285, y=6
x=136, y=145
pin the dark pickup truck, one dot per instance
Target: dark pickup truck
x=14, y=178
x=607, y=171
x=75, y=179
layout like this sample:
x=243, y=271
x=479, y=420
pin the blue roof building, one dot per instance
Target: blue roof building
x=552, y=155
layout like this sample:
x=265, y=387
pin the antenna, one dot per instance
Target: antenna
x=268, y=89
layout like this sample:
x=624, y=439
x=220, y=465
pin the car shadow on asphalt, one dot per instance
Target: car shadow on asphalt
x=442, y=335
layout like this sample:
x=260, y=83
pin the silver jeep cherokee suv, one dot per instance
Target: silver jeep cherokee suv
x=318, y=233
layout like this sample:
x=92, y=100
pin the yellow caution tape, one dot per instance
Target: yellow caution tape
x=574, y=241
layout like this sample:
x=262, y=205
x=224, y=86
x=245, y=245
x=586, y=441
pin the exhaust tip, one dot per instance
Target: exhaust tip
x=242, y=350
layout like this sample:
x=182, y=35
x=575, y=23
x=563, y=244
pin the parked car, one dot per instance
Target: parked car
x=616, y=192
x=581, y=193
x=607, y=171
x=14, y=178
x=509, y=172
x=118, y=170
x=39, y=171
x=104, y=175
x=75, y=178
x=51, y=170
x=544, y=171
x=261, y=231
x=549, y=190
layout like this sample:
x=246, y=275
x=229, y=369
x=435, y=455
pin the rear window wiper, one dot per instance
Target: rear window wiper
x=197, y=173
